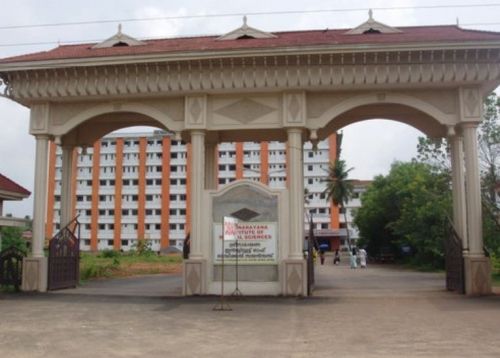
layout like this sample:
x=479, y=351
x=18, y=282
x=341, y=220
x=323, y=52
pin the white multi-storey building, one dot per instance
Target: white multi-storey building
x=132, y=186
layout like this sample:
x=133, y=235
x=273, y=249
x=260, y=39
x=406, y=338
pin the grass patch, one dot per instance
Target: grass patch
x=107, y=265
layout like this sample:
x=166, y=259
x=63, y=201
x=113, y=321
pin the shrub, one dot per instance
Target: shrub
x=109, y=253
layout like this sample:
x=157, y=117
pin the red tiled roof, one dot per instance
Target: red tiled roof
x=10, y=186
x=409, y=35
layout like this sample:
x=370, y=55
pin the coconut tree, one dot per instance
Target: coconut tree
x=339, y=188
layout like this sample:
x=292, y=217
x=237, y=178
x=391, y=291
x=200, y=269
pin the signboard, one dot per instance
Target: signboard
x=230, y=228
x=257, y=243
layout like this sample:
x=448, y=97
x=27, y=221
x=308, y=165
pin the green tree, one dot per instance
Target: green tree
x=12, y=236
x=406, y=207
x=489, y=147
x=339, y=188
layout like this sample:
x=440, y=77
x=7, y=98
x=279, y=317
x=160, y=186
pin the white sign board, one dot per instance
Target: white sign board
x=257, y=244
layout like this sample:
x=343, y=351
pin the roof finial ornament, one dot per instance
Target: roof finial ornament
x=245, y=21
x=458, y=22
x=370, y=14
x=119, y=29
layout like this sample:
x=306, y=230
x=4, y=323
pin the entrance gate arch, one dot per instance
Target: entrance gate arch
x=257, y=86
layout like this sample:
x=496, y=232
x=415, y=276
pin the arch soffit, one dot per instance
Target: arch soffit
x=111, y=108
x=258, y=185
x=363, y=100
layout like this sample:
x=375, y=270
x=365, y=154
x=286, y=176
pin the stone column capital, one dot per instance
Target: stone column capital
x=43, y=136
x=469, y=125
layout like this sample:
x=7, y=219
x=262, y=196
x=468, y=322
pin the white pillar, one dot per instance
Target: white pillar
x=296, y=190
x=40, y=194
x=197, y=185
x=66, y=185
x=458, y=188
x=210, y=166
x=473, y=189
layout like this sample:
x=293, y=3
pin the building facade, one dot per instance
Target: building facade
x=132, y=186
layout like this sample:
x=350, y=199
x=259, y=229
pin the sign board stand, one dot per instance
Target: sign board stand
x=237, y=292
x=228, y=228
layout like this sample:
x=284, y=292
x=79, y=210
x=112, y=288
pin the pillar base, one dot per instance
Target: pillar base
x=194, y=273
x=294, y=277
x=35, y=273
x=477, y=271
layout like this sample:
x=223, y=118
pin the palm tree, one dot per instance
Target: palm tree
x=339, y=188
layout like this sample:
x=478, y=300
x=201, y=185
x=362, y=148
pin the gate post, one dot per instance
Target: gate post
x=458, y=187
x=476, y=265
x=35, y=267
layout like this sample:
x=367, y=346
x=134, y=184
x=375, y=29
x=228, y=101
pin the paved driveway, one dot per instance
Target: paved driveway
x=376, y=312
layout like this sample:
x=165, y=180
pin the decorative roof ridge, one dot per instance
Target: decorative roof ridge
x=119, y=39
x=246, y=32
x=372, y=26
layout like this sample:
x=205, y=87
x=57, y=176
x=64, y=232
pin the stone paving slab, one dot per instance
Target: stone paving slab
x=376, y=312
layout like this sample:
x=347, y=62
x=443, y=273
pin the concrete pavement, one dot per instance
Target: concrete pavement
x=376, y=312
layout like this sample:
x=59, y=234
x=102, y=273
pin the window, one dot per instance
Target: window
x=134, y=212
x=149, y=197
x=149, y=212
x=158, y=226
x=172, y=212
x=310, y=154
x=102, y=227
x=124, y=242
x=173, y=155
x=110, y=242
x=102, y=212
x=310, y=168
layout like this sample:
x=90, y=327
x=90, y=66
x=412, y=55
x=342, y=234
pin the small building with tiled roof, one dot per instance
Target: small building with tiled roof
x=10, y=190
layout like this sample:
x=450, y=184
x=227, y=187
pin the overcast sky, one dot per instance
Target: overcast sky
x=370, y=147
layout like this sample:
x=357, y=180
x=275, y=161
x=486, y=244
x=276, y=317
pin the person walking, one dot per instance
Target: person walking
x=353, y=258
x=336, y=258
x=362, y=257
x=322, y=257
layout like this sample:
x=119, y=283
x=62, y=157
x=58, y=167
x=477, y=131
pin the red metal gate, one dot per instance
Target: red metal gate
x=64, y=257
